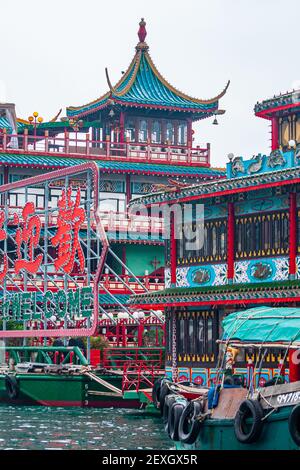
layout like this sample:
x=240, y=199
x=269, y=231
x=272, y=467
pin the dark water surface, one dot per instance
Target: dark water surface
x=29, y=427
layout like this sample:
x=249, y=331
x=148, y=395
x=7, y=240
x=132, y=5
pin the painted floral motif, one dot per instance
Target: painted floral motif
x=240, y=270
x=220, y=274
x=282, y=269
x=181, y=277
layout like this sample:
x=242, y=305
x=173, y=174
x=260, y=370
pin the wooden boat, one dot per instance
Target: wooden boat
x=235, y=414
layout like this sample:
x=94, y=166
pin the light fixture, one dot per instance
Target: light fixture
x=230, y=156
x=111, y=113
x=215, y=122
x=292, y=143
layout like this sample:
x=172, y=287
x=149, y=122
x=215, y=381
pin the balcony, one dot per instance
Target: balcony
x=83, y=146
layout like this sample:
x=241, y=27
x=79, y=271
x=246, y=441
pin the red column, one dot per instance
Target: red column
x=292, y=234
x=230, y=242
x=128, y=190
x=140, y=333
x=275, y=134
x=189, y=133
x=122, y=125
x=5, y=175
x=173, y=250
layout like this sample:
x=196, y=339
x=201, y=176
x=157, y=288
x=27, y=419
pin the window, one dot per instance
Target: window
x=156, y=132
x=170, y=133
x=143, y=131
x=214, y=242
x=262, y=234
x=130, y=131
x=182, y=134
x=197, y=335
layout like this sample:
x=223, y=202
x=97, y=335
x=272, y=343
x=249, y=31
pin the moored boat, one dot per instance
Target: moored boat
x=235, y=413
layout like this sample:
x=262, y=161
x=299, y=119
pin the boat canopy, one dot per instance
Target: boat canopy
x=263, y=325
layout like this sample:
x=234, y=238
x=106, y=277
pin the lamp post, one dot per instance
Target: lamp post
x=35, y=120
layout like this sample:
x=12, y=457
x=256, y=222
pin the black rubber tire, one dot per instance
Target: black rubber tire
x=164, y=392
x=12, y=386
x=175, y=413
x=170, y=399
x=189, y=425
x=156, y=391
x=248, y=409
x=294, y=424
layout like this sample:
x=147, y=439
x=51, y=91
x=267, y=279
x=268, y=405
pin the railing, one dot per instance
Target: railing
x=116, y=358
x=124, y=222
x=111, y=221
x=105, y=150
x=111, y=282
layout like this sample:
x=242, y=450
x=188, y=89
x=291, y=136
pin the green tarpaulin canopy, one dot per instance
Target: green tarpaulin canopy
x=263, y=325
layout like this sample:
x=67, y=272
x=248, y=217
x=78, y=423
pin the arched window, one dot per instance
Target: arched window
x=170, y=133
x=182, y=134
x=143, y=131
x=130, y=131
x=156, y=132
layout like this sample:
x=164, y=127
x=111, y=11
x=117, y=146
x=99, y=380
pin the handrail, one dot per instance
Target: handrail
x=104, y=149
x=62, y=349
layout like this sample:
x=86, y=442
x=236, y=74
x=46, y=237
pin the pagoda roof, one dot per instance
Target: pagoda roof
x=107, y=166
x=142, y=86
x=270, y=106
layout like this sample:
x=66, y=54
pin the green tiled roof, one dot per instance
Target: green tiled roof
x=289, y=98
x=54, y=161
x=143, y=85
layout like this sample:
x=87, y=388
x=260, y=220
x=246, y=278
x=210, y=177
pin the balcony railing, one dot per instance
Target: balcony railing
x=111, y=221
x=110, y=282
x=105, y=150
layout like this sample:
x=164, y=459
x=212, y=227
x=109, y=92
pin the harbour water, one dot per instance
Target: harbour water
x=36, y=428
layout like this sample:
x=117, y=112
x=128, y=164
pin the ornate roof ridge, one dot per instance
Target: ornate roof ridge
x=142, y=51
x=178, y=92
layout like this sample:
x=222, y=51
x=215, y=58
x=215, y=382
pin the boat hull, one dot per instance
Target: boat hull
x=218, y=434
x=65, y=390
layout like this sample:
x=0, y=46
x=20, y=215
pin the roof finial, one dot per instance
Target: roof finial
x=142, y=33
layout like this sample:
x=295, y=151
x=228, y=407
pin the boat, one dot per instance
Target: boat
x=62, y=376
x=236, y=413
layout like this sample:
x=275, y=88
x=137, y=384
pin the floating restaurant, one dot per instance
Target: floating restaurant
x=71, y=252
x=250, y=254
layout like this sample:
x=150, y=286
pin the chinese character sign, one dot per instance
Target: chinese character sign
x=70, y=219
x=28, y=236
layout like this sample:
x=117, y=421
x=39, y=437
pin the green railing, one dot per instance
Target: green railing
x=46, y=354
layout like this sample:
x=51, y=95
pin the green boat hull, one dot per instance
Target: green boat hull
x=65, y=390
x=218, y=434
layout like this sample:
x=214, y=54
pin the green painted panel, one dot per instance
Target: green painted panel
x=139, y=258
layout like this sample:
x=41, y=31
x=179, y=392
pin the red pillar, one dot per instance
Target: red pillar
x=122, y=125
x=292, y=234
x=173, y=249
x=140, y=333
x=189, y=133
x=230, y=242
x=294, y=365
x=128, y=190
x=5, y=175
x=275, y=134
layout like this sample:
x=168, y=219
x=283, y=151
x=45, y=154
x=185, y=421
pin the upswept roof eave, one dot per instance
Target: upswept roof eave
x=118, y=92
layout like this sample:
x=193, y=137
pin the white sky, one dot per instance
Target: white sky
x=53, y=54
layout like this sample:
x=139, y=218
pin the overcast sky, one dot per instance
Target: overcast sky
x=53, y=54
